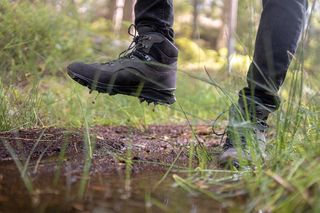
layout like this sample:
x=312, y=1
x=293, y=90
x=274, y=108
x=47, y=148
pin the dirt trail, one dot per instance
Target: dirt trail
x=154, y=145
x=60, y=153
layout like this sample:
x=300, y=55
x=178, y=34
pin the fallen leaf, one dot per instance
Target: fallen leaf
x=100, y=137
x=78, y=206
x=3, y=198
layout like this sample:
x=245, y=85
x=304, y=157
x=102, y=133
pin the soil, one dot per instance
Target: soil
x=53, y=152
x=155, y=145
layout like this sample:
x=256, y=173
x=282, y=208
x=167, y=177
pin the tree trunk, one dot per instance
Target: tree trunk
x=195, y=28
x=222, y=39
x=232, y=25
x=128, y=14
x=226, y=37
x=118, y=16
x=112, y=8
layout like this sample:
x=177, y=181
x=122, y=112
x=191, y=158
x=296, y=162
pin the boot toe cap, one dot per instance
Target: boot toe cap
x=80, y=69
x=76, y=67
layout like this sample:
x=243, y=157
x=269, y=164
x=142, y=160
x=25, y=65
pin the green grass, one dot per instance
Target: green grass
x=36, y=39
x=37, y=93
x=289, y=180
x=60, y=100
x=18, y=109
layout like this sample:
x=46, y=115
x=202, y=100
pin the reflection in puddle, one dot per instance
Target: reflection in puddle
x=103, y=193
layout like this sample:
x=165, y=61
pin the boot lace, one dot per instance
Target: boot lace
x=136, y=46
x=258, y=125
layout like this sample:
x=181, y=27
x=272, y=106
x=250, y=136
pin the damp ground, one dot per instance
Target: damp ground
x=103, y=169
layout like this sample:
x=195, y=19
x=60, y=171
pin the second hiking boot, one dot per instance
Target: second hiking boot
x=246, y=141
x=147, y=70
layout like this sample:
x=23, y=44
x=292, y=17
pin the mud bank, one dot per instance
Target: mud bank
x=110, y=146
x=120, y=175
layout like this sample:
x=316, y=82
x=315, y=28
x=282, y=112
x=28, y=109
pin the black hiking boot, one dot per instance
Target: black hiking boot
x=245, y=142
x=147, y=70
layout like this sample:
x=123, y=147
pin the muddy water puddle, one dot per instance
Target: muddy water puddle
x=59, y=179
x=101, y=193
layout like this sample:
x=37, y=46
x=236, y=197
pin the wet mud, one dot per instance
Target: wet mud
x=101, y=169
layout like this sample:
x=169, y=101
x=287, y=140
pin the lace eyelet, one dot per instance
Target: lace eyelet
x=147, y=58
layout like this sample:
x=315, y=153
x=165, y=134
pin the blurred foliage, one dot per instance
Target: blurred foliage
x=39, y=38
x=190, y=51
x=35, y=38
x=18, y=108
x=312, y=43
x=248, y=20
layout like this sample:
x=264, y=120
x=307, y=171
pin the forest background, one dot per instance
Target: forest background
x=39, y=38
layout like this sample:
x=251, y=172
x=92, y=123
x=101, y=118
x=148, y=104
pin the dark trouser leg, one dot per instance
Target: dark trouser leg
x=156, y=16
x=281, y=24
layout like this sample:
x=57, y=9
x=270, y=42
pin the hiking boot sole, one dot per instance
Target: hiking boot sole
x=148, y=94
